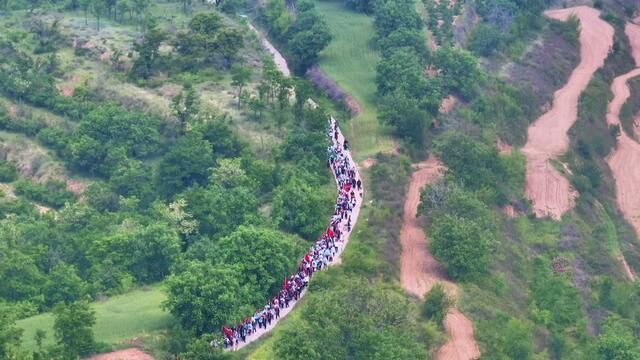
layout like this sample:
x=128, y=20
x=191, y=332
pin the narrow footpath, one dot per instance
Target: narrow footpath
x=547, y=139
x=624, y=160
x=336, y=259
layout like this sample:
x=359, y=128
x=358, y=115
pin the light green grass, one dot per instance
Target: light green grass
x=350, y=61
x=120, y=318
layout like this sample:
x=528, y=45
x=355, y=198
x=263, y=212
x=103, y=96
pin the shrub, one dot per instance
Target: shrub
x=8, y=171
x=437, y=304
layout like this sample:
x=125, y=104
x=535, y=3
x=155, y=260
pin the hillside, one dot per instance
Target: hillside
x=319, y=179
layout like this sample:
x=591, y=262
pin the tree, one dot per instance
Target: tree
x=145, y=252
x=240, y=75
x=617, y=341
x=9, y=334
x=402, y=70
x=463, y=245
x=186, y=106
x=476, y=165
x=64, y=286
x=305, y=46
x=279, y=254
x=300, y=208
x=405, y=115
x=187, y=163
x=99, y=8
x=21, y=278
x=437, y=304
x=460, y=70
x=72, y=328
x=204, y=297
x=148, y=53
x=372, y=321
x=218, y=210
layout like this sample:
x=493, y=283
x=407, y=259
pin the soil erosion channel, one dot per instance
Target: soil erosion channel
x=547, y=136
x=419, y=270
x=624, y=160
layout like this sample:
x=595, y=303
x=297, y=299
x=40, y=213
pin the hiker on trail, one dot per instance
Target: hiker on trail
x=320, y=255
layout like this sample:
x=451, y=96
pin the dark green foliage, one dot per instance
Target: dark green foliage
x=464, y=246
x=8, y=171
x=371, y=321
x=301, y=208
x=219, y=211
x=278, y=253
x=73, y=329
x=406, y=117
x=303, y=37
x=186, y=164
x=148, y=54
x=437, y=304
x=460, y=71
x=203, y=297
x=148, y=252
x=208, y=42
x=393, y=15
x=64, y=286
x=9, y=333
x=617, y=341
x=555, y=302
x=53, y=193
x=475, y=165
x=109, y=135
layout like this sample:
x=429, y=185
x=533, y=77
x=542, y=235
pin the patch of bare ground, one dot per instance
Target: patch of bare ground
x=624, y=159
x=549, y=190
x=419, y=270
x=34, y=162
x=126, y=354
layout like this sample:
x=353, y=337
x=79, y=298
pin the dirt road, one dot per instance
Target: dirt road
x=625, y=158
x=549, y=190
x=419, y=270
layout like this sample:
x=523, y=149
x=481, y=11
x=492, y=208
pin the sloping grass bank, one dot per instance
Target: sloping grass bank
x=350, y=62
x=120, y=318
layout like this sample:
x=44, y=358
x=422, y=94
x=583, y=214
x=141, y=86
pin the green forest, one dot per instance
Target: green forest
x=161, y=174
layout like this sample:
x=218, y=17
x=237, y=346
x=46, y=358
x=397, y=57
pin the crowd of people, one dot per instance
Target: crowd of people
x=321, y=254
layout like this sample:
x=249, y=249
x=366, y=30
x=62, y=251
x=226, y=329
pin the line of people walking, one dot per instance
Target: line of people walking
x=321, y=254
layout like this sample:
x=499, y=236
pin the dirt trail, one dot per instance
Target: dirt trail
x=419, y=270
x=127, y=354
x=549, y=190
x=278, y=59
x=624, y=159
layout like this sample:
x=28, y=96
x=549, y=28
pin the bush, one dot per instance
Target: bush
x=8, y=171
x=53, y=193
x=437, y=304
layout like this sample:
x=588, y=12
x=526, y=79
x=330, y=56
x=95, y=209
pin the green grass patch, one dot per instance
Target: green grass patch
x=350, y=62
x=120, y=318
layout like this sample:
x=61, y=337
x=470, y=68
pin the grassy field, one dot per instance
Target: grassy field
x=351, y=62
x=120, y=318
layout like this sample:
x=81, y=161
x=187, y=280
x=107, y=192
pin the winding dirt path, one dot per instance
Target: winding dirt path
x=419, y=270
x=624, y=160
x=549, y=190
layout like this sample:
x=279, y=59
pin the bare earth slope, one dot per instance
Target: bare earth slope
x=551, y=192
x=419, y=270
x=624, y=160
